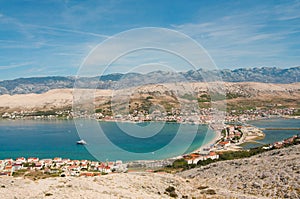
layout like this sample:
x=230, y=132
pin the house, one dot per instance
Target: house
x=212, y=155
x=65, y=161
x=84, y=166
x=93, y=164
x=189, y=160
x=59, y=163
x=267, y=147
x=52, y=171
x=32, y=160
x=8, y=161
x=74, y=173
x=224, y=144
x=57, y=159
x=84, y=163
x=46, y=162
x=76, y=162
x=17, y=166
x=8, y=168
x=119, y=162
x=107, y=169
x=1, y=163
x=73, y=168
x=38, y=166
x=278, y=145
x=193, y=158
x=70, y=163
x=104, y=169
x=21, y=160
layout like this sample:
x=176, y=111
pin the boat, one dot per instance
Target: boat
x=82, y=142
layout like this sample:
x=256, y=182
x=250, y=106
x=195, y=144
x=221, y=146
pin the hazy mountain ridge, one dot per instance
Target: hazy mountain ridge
x=117, y=80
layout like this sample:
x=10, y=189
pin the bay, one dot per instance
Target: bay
x=57, y=138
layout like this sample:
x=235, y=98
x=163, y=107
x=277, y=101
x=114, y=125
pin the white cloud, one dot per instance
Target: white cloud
x=252, y=38
x=69, y=31
x=287, y=11
x=14, y=65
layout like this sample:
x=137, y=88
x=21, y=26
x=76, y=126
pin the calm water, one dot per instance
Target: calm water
x=48, y=139
x=275, y=135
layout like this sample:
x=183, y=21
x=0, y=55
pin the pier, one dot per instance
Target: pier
x=296, y=129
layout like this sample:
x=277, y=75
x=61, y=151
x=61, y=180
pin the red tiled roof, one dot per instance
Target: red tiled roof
x=223, y=143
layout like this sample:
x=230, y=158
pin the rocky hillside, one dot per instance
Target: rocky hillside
x=274, y=174
x=239, y=96
x=117, y=81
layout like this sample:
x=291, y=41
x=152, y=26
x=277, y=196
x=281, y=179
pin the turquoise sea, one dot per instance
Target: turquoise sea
x=272, y=136
x=112, y=141
x=125, y=141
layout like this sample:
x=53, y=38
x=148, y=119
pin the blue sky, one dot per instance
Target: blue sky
x=48, y=38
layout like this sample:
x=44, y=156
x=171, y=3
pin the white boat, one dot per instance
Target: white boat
x=82, y=142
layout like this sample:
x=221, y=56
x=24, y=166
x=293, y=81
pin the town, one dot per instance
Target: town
x=59, y=167
x=201, y=116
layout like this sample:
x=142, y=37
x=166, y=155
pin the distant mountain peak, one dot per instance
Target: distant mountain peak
x=44, y=84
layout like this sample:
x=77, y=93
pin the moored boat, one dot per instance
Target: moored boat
x=82, y=142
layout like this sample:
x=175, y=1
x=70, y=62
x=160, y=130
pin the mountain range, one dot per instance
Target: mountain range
x=119, y=81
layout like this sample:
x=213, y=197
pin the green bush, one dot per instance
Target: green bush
x=170, y=189
x=189, y=97
x=171, y=192
x=180, y=163
x=205, y=162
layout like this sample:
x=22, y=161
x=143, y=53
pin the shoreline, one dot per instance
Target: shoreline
x=254, y=139
x=210, y=144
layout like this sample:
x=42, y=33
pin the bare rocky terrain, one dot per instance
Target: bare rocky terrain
x=249, y=93
x=274, y=174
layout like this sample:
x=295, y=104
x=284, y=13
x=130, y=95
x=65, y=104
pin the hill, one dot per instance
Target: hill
x=273, y=174
x=244, y=95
